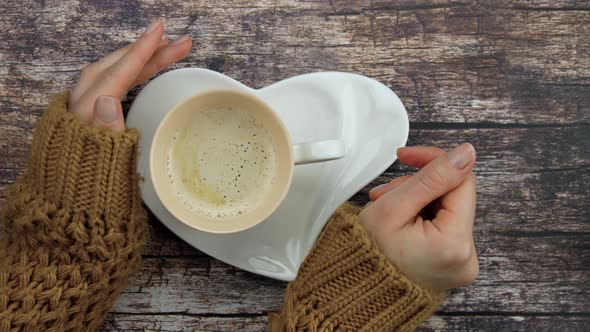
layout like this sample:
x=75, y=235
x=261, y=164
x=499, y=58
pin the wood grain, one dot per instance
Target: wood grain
x=512, y=77
x=199, y=285
x=181, y=322
x=448, y=61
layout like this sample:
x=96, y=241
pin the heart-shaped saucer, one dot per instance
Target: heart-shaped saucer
x=366, y=115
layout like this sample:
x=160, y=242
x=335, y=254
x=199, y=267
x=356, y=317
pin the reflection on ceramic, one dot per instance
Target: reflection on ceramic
x=363, y=113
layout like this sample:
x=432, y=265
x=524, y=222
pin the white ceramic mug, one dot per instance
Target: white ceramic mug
x=287, y=155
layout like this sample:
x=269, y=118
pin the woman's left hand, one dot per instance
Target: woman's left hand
x=96, y=98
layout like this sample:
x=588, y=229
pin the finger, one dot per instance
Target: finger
x=112, y=58
x=437, y=178
x=380, y=190
x=164, y=57
x=117, y=79
x=90, y=73
x=457, y=208
x=108, y=113
x=163, y=41
x=418, y=156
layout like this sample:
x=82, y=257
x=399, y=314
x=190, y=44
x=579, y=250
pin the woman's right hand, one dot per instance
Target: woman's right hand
x=434, y=249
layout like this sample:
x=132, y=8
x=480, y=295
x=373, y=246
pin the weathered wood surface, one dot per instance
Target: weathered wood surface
x=512, y=77
x=172, y=322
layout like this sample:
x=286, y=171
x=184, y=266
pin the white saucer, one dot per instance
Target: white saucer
x=364, y=113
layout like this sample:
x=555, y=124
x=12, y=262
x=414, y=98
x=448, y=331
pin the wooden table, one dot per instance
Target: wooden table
x=511, y=77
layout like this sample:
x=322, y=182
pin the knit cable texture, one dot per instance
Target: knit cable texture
x=74, y=226
x=346, y=284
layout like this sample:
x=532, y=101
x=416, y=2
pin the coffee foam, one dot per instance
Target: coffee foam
x=222, y=163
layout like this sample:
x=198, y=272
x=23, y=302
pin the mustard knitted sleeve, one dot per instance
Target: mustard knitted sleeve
x=346, y=284
x=74, y=226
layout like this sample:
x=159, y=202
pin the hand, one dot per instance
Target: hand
x=438, y=253
x=96, y=98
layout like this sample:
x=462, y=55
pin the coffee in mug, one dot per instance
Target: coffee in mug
x=222, y=161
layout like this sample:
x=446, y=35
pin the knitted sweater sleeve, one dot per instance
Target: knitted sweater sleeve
x=346, y=284
x=73, y=226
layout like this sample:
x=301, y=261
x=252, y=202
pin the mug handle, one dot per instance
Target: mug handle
x=316, y=152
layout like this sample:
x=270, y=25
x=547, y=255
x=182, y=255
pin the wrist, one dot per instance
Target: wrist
x=345, y=277
x=80, y=168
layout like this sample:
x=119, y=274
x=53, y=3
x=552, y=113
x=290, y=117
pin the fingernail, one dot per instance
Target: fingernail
x=180, y=40
x=106, y=109
x=377, y=188
x=164, y=37
x=461, y=156
x=153, y=26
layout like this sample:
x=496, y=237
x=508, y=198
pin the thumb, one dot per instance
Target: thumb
x=440, y=176
x=108, y=113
